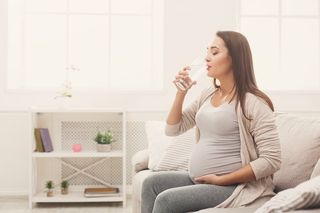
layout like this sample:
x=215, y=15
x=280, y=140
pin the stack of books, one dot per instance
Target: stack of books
x=101, y=192
x=43, y=140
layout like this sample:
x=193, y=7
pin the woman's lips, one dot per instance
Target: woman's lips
x=208, y=67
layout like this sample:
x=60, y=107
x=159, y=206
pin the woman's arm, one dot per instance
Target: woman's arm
x=175, y=113
x=263, y=130
x=178, y=121
x=243, y=175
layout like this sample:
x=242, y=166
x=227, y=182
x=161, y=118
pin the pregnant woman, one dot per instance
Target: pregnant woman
x=237, y=148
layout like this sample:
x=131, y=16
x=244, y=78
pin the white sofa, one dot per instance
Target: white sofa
x=300, y=146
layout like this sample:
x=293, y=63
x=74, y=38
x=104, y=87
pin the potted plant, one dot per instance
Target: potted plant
x=49, y=186
x=104, y=141
x=64, y=187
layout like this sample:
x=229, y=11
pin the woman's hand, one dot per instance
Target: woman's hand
x=243, y=175
x=210, y=179
x=184, y=79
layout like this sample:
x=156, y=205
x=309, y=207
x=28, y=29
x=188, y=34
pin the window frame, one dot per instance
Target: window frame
x=157, y=40
x=279, y=17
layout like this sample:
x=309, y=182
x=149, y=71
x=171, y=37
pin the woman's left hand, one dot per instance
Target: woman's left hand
x=210, y=179
x=243, y=175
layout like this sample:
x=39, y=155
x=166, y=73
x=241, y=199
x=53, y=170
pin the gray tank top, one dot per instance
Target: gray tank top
x=218, y=149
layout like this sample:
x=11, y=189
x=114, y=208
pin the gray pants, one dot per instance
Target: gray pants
x=174, y=191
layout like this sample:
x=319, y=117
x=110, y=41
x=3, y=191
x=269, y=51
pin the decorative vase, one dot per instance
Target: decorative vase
x=50, y=193
x=76, y=147
x=103, y=147
x=64, y=191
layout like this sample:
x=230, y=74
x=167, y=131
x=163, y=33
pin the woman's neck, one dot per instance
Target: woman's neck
x=227, y=86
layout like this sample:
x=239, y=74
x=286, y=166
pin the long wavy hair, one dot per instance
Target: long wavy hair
x=242, y=67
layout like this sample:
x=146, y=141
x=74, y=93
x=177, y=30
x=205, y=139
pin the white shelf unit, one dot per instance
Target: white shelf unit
x=87, y=168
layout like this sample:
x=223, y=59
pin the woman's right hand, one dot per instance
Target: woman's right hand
x=184, y=79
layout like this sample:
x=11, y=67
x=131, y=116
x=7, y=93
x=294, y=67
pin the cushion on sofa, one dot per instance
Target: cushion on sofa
x=157, y=141
x=177, y=154
x=168, y=153
x=305, y=195
x=300, y=149
x=140, y=160
x=316, y=170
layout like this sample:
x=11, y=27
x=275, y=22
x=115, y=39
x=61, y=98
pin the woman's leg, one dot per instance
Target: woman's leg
x=157, y=183
x=191, y=198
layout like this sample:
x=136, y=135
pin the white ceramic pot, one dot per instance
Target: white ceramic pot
x=103, y=147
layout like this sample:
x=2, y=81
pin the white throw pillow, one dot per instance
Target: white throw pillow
x=177, y=155
x=167, y=153
x=305, y=195
x=157, y=141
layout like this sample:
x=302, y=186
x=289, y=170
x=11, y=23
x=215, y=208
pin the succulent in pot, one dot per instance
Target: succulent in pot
x=104, y=140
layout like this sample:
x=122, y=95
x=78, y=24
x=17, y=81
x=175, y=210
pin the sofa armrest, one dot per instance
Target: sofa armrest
x=140, y=160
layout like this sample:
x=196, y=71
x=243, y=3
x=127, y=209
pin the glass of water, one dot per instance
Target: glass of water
x=197, y=68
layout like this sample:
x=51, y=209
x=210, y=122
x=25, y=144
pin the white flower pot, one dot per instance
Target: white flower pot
x=103, y=147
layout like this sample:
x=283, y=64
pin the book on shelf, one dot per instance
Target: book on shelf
x=43, y=140
x=37, y=136
x=46, y=140
x=101, y=192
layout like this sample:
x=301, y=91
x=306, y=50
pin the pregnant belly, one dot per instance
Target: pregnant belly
x=203, y=162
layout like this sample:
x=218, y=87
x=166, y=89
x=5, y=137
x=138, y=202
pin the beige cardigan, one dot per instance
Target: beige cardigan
x=259, y=146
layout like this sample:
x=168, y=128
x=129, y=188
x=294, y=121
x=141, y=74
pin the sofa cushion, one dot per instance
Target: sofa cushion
x=300, y=149
x=140, y=160
x=176, y=157
x=316, y=170
x=168, y=153
x=305, y=195
x=157, y=141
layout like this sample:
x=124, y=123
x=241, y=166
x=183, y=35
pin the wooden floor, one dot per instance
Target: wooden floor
x=20, y=205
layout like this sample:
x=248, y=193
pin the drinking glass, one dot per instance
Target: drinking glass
x=197, y=68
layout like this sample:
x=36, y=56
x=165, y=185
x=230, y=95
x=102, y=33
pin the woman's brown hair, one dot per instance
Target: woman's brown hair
x=242, y=67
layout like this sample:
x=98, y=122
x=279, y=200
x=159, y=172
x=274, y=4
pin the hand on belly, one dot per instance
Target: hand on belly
x=210, y=179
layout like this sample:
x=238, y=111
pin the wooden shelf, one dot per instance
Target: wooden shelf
x=74, y=196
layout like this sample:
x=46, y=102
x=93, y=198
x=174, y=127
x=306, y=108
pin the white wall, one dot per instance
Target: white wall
x=188, y=26
x=14, y=134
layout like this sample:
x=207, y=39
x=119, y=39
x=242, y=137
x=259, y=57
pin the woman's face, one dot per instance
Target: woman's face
x=218, y=60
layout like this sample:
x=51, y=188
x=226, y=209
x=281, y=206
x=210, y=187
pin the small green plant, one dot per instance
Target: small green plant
x=64, y=184
x=104, y=138
x=49, y=185
x=64, y=187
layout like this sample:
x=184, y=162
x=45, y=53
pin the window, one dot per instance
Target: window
x=284, y=39
x=114, y=44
